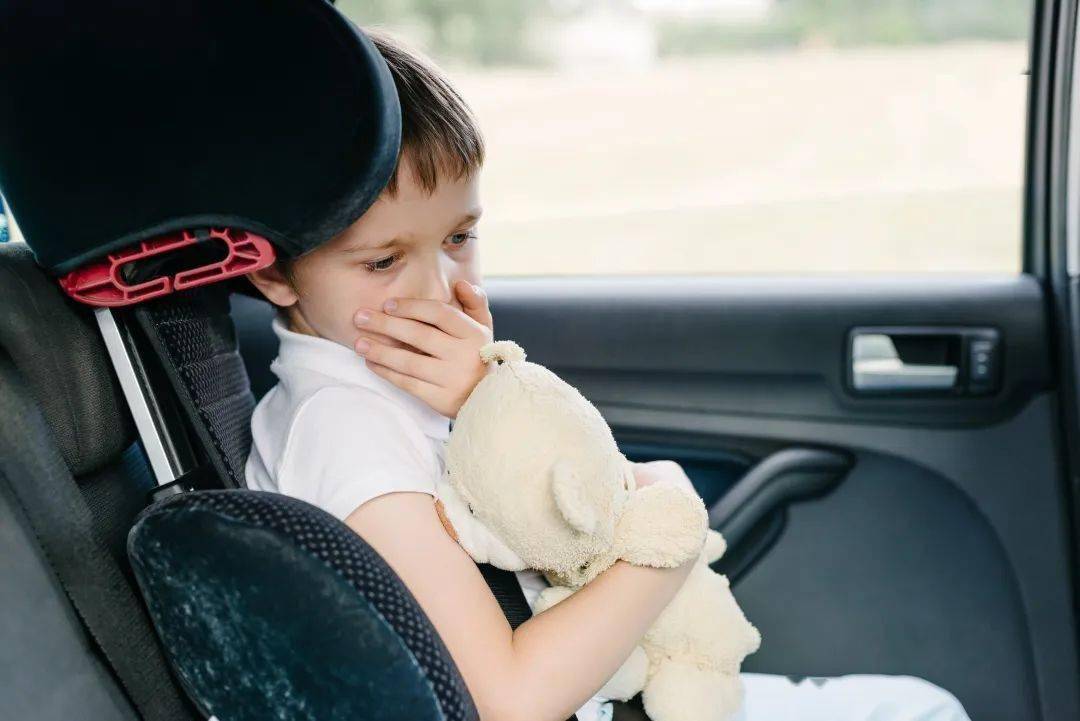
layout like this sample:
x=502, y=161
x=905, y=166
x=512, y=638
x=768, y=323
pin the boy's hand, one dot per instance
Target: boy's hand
x=448, y=366
x=646, y=474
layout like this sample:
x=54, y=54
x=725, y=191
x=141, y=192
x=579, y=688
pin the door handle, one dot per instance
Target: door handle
x=793, y=474
x=752, y=514
x=876, y=366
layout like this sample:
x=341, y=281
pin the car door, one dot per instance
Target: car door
x=816, y=246
x=944, y=551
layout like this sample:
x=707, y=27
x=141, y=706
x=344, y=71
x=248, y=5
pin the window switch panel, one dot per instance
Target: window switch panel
x=983, y=363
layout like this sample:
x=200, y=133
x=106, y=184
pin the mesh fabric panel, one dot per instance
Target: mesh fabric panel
x=193, y=336
x=338, y=547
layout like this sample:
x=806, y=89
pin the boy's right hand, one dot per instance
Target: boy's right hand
x=650, y=472
x=448, y=366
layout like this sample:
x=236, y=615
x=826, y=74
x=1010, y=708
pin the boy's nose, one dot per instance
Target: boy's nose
x=437, y=286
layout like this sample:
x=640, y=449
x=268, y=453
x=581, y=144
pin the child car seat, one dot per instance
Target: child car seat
x=138, y=139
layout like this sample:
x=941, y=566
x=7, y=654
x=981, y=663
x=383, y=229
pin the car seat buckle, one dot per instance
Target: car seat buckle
x=182, y=484
x=103, y=282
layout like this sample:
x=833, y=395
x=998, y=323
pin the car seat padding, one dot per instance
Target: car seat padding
x=297, y=615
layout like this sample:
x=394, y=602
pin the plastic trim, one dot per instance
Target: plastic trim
x=122, y=363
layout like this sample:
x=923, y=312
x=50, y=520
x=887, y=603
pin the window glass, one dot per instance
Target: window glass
x=731, y=136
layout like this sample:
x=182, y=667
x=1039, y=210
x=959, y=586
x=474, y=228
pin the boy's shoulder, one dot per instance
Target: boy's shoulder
x=338, y=446
x=349, y=406
x=330, y=407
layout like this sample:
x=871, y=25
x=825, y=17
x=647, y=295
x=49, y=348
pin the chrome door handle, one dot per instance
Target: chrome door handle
x=876, y=366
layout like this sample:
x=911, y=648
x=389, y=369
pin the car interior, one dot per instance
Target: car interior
x=891, y=459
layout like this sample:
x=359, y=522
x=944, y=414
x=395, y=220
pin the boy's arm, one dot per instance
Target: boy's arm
x=555, y=661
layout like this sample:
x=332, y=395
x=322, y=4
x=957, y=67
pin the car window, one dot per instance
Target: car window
x=735, y=136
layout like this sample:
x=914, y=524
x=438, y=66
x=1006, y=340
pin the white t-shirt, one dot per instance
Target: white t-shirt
x=334, y=434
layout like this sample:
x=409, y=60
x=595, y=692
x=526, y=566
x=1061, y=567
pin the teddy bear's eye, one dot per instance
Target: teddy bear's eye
x=583, y=567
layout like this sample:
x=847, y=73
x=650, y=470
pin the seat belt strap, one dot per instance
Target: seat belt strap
x=507, y=591
x=58, y=515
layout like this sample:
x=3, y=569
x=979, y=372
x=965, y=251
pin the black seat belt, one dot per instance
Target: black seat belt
x=61, y=521
x=507, y=591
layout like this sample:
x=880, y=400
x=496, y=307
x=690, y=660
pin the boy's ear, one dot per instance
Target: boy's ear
x=273, y=284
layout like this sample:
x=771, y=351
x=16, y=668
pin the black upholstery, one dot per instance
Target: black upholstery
x=49, y=669
x=272, y=608
x=127, y=119
x=114, y=495
x=56, y=346
x=73, y=540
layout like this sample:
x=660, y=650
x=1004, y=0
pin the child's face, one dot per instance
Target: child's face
x=412, y=245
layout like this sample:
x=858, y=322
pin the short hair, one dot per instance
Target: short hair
x=439, y=133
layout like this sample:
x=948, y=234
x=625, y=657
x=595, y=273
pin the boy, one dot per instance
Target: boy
x=362, y=437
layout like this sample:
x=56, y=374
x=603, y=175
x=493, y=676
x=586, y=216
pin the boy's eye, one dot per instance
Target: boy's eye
x=459, y=239
x=381, y=264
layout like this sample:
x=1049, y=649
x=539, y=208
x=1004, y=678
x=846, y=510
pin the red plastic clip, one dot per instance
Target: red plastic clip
x=100, y=283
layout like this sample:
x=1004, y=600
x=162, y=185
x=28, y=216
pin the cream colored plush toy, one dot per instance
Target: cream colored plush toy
x=534, y=479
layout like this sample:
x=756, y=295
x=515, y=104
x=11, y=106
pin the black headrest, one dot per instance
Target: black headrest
x=122, y=120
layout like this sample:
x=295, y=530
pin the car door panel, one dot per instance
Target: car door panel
x=943, y=553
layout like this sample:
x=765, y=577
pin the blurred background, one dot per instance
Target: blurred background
x=738, y=136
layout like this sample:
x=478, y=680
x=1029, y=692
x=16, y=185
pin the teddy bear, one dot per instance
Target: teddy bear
x=534, y=479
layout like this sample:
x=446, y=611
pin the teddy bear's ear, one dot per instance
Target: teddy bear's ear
x=571, y=499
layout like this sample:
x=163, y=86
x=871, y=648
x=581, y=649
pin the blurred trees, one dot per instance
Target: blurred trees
x=496, y=32
x=481, y=32
x=853, y=22
x=858, y=22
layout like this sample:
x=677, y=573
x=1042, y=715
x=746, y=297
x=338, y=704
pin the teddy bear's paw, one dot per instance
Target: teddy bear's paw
x=501, y=351
x=629, y=680
x=662, y=526
x=685, y=692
